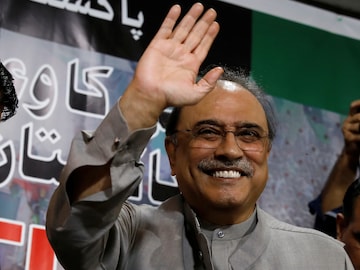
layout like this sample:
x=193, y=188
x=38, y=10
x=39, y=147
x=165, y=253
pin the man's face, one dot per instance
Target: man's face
x=221, y=192
x=350, y=235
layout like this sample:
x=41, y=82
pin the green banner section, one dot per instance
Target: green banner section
x=304, y=64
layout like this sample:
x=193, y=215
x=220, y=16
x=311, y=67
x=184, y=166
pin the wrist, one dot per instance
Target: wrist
x=138, y=110
x=351, y=158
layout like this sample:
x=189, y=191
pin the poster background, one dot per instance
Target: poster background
x=71, y=61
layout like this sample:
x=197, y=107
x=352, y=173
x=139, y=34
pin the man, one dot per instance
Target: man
x=329, y=202
x=8, y=98
x=348, y=223
x=218, y=142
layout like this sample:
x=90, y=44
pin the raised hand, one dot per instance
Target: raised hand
x=351, y=130
x=166, y=72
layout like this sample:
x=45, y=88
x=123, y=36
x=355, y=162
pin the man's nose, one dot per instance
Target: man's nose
x=229, y=147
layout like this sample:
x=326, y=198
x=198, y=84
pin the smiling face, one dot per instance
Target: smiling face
x=222, y=184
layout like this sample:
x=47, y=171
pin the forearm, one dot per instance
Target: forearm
x=111, y=150
x=87, y=211
x=341, y=176
x=91, y=155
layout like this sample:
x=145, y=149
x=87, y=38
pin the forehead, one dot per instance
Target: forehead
x=229, y=103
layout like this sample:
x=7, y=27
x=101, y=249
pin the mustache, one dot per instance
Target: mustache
x=242, y=164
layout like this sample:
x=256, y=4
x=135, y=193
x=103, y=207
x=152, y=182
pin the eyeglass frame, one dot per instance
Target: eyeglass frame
x=221, y=135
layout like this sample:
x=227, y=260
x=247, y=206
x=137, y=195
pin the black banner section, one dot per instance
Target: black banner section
x=123, y=28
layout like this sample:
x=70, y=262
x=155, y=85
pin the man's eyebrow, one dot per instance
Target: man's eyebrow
x=248, y=125
x=209, y=122
x=241, y=124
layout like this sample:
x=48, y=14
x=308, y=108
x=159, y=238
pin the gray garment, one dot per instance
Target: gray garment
x=106, y=232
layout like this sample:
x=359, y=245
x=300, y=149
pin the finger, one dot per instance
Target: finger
x=208, y=81
x=356, y=127
x=168, y=23
x=206, y=27
x=352, y=127
x=203, y=48
x=354, y=107
x=185, y=26
x=351, y=137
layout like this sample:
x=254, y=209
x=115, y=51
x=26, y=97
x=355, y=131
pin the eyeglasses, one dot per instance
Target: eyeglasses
x=250, y=139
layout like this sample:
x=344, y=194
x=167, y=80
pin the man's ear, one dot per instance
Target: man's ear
x=340, y=226
x=170, y=147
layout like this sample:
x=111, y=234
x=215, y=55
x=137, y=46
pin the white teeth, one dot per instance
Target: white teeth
x=227, y=174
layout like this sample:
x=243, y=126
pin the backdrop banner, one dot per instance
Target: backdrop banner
x=72, y=60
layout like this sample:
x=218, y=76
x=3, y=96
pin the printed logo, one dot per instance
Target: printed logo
x=95, y=8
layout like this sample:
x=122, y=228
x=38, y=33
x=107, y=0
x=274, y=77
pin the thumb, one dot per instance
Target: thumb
x=208, y=81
